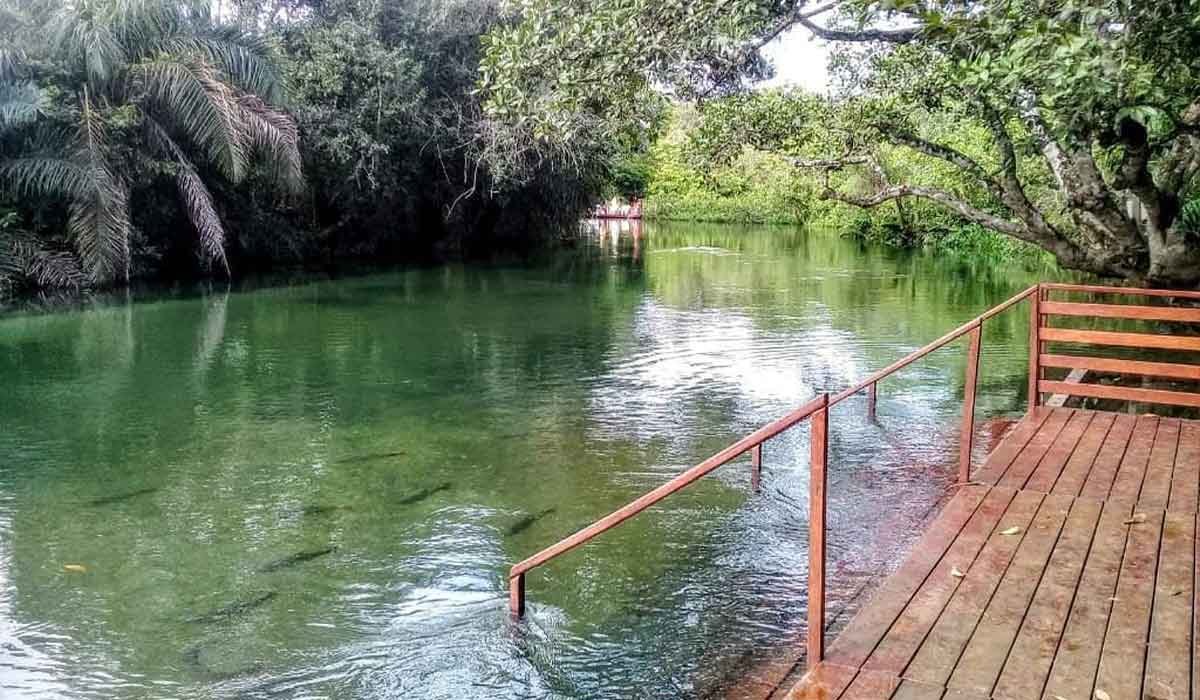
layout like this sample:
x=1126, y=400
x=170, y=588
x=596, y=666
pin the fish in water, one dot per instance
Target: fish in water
x=317, y=509
x=294, y=559
x=373, y=457
x=234, y=609
x=525, y=523
x=119, y=497
x=192, y=656
x=424, y=493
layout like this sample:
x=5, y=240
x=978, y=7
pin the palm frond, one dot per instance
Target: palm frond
x=100, y=225
x=197, y=200
x=98, y=205
x=275, y=136
x=45, y=175
x=20, y=104
x=190, y=97
x=203, y=215
x=87, y=41
x=246, y=60
x=25, y=258
x=11, y=60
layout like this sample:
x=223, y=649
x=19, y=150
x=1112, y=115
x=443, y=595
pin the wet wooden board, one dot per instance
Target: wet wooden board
x=1046, y=474
x=985, y=654
x=1098, y=481
x=1075, y=473
x=1074, y=669
x=1030, y=457
x=940, y=652
x=1082, y=576
x=1032, y=653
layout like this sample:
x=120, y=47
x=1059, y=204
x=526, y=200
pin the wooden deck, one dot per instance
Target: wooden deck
x=1065, y=570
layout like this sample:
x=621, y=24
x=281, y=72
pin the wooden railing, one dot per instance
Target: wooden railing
x=1045, y=334
x=817, y=412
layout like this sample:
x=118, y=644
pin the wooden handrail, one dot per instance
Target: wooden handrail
x=818, y=409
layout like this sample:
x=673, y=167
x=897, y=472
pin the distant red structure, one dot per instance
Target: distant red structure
x=616, y=209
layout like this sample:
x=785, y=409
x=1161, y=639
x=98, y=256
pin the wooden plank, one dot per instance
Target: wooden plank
x=1122, y=393
x=1171, y=370
x=1156, y=487
x=1168, y=660
x=1104, y=470
x=825, y=682
x=910, y=690
x=1114, y=338
x=871, y=685
x=983, y=659
x=863, y=633
x=1185, y=482
x=1075, y=376
x=1125, y=291
x=904, y=637
x=1075, y=473
x=1033, y=652
x=1130, y=311
x=935, y=660
x=1132, y=472
x=1123, y=657
x=1026, y=462
x=1000, y=459
x=1074, y=670
x=1045, y=475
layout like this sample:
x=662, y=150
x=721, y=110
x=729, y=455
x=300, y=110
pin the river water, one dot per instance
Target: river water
x=314, y=490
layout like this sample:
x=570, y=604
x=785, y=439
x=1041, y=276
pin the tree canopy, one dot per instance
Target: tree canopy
x=1098, y=96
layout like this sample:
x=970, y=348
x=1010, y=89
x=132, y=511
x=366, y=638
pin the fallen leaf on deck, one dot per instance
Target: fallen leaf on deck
x=1137, y=518
x=1101, y=695
x=77, y=568
x=1011, y=531
x=956, y=573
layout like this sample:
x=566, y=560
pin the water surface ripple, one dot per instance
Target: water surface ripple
x=315, y=491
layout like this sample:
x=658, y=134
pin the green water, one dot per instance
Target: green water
x=316, y=490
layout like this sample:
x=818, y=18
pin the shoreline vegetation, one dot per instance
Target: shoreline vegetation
x=681, y=179
x=177, y=140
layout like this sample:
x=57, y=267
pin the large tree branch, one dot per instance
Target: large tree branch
x=1088, y=198
x=1133, y=174
x=892, y=36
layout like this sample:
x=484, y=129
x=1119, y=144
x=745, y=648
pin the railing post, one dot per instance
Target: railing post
x=1035, y=347
x=756, y=467
x=516, y=595
x=967, y=439
x=872, y=399
x=816, y=533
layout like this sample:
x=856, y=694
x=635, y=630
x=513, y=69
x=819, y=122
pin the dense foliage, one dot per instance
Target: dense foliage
x=732, y=159
x=184, y=137
x=1089, y=108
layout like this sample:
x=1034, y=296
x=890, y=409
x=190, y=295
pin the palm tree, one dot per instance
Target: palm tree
x=203, y=96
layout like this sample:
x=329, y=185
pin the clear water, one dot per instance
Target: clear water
x=410, y=435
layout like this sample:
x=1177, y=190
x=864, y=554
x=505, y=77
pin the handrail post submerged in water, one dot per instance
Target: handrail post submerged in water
x=816, y=531
x=756, y=467
x=818, y=411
